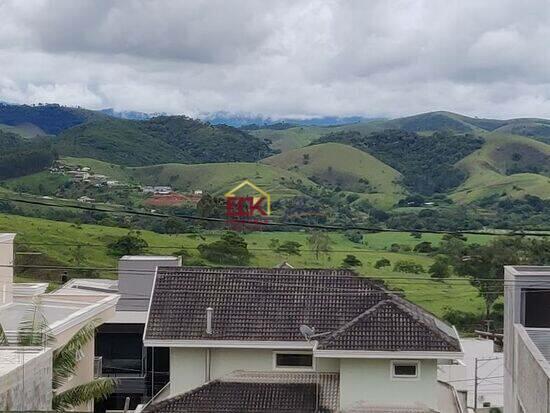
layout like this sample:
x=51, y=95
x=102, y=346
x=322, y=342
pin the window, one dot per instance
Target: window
x=298, y=361
x=405, y=369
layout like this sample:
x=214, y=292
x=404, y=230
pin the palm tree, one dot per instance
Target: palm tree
x=34, y=331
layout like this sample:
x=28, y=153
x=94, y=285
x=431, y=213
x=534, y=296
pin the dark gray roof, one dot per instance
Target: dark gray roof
x=270, y=304
x=256, y=392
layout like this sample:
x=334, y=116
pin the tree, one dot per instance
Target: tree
x=440, y=268
x=34, y=331
x=354, y=236
x=231, y=249
x=289, y=248
x=319, y=243
x=351, y=261
x=78, y=256
x=408, y=266
x=423, y=247
x=131, y=244
x=383, y=262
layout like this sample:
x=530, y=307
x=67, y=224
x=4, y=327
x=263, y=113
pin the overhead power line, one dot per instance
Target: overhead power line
x=526, y=232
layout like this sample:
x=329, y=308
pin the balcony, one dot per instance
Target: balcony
x=532, y=367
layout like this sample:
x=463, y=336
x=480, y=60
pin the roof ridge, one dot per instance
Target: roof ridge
x=428, y=321
x=354, y=320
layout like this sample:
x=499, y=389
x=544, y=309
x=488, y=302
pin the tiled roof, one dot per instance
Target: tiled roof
x=270, y=304
x=258, y=392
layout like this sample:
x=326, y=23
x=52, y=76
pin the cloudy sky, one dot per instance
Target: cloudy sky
x=280, y=58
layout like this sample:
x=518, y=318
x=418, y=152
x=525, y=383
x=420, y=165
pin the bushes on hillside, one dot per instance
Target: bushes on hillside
x=408, y=266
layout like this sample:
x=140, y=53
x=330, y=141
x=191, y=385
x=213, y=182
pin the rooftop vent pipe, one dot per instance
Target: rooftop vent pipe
x=209, y=311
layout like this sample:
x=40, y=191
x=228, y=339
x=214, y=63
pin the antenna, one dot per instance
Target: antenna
x=309, y=332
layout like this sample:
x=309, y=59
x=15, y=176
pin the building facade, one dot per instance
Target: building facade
x=527, y=339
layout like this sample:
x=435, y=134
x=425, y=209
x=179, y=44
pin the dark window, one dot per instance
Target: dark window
x=537, y=308
x=405, y=369
x=294, y=360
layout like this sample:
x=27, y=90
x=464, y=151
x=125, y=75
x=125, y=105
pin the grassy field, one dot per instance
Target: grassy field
x=292, y=138
x=60, y=239
x=345, y=167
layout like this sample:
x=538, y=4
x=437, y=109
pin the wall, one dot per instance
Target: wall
x=368, y=382
x=532, y=375
x=28, y=386
x=85, y=368
x=6, y=271
x=187, y=365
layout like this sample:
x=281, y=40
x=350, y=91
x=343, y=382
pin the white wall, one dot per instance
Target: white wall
x=6, y=268
x=187, y=365
x=366, y=382
x=28, y=386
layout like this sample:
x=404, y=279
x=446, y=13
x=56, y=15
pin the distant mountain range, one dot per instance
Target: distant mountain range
x=241, y=120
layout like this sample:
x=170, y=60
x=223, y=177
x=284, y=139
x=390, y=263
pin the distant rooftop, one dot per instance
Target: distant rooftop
x=148, y=258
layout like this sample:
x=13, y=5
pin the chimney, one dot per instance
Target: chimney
x=209, y=311
x=6, y=268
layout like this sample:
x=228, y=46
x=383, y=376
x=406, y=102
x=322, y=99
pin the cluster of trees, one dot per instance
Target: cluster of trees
x=51, y=118
x=427, y=163
x=25, y=158
x=159, y=140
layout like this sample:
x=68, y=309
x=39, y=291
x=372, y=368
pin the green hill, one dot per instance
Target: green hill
x=508, y=166
x=214, y=178
x=51, y=118
x=342, y=166
x=160, y=140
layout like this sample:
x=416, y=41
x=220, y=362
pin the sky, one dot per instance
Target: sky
x=279, y=58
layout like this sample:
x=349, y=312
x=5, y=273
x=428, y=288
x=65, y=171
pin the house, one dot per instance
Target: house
x=64, y=312
x=119, y=349
x=526, y=339
x=308, y=340
x=162, y=190
x=86, y=199
x=197, y=192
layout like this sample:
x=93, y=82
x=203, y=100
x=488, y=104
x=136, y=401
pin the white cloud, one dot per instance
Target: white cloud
x=280, y=58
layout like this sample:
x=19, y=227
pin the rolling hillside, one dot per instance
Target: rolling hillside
x=159, y=140
x=214, y=178
x=51, y=119
x=508, y=166
x=342, y=166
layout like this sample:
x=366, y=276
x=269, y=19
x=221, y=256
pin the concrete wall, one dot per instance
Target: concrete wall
x=28, y=386
x=136, y=275
x=515, y=362
x=531, y=379
x=368, y=382
x=187, y=365
x=6, y=269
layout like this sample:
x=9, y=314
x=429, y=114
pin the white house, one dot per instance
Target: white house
x=65, y=312
x=279, y=339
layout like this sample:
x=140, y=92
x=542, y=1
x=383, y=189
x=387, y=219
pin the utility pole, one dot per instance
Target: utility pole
x=475, y=388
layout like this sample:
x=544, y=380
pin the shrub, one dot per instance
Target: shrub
x=383, y=262
x=408, y=266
